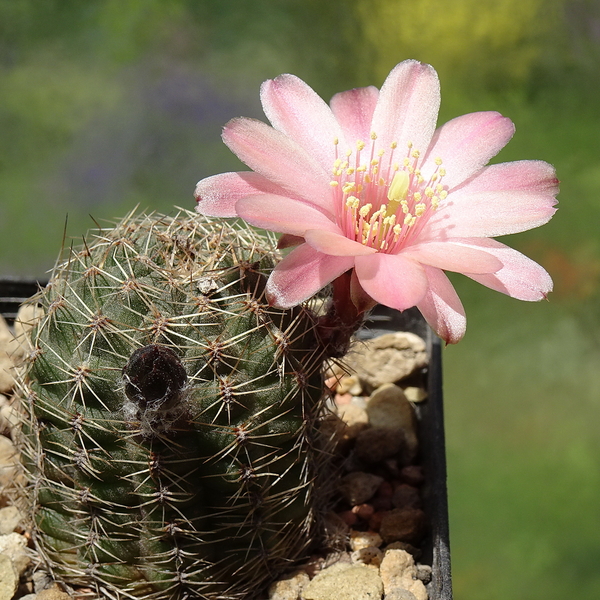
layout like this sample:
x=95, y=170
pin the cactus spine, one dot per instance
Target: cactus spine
x=172, y=442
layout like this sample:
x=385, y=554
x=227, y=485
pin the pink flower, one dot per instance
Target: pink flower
x=369, y=185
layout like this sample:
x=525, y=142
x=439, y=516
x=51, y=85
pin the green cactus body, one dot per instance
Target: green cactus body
x=172, y=442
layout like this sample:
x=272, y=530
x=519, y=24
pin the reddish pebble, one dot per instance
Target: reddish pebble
x=382, y=503
x=348, y=517
x=413, y=475
x=363, y=511
x=375, y=521
x=341, y=399
x=385, y=490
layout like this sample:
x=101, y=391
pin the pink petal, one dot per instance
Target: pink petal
x=302, y=273
x=520, y=277
x=276, y=157
x=391, y=279
x=295, y=109
x=336, y=244
x=500, y=199
x=442, y=307
x=408, y=106
x=360, y=298
x=354, y=112
x=455, y=255
x=216, y=196
x=283, y=214
x=466, y=143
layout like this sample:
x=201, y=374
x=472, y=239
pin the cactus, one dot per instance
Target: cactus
x=172, y=442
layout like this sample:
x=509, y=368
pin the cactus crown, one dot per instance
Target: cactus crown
x=172, y=442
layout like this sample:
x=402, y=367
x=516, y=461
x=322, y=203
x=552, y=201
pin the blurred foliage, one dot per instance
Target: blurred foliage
x=484, y=43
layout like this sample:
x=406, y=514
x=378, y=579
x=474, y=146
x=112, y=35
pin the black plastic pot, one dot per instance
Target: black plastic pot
x=436, y=550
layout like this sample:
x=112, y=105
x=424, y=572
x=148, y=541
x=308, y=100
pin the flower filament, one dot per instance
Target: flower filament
x=381, y=203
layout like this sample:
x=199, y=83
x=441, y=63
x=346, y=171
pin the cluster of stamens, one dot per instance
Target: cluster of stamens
x=382, y=201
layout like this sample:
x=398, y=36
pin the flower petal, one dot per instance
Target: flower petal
x=442, y=307
x=520, y=277
x=408, y=106
x=336, y=244
x=283, y=214
x=391, y=279
x=455, y=255
x=276, y=157
x=302, y=273
x=295, y=109
x=354, y=112
x=500, y=199
x=216, y=196
x=466, y=143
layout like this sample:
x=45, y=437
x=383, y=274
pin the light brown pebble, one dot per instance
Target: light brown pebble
x=9, y=462
x=14, y=545
x=27, y=317
x=342, y=399
x=345, y=582
x=398, y=571
x=364, y=539
x=400, y=594
x=375, y=444
x=412, y=474
x=371, y=555
x=349, y=385
x=9, y=419
x=352, y=414
x=415, y=394
x=358, y=487
x=10, y=518
x=289, y=588
x=53, y=593
x=388, y=407
x=405, y=525
x=387, y=358
x=9, y=578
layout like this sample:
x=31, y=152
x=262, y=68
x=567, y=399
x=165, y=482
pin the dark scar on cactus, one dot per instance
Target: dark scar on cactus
x=154, y=377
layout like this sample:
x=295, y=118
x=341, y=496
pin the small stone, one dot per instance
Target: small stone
x=345, y=582
x=424, y=573
x=363, y=511
x=387, y=358
x=27, y=318
x=349, y=517
x=400, y=594
x=375, y=444
x=406, y=496
x=14, y=545
x=9, y=462
x=364, y=539
x=375, y=521
x=350, y=385
x=10, y=518
x=9, y=419
x=53, y=593
x=415, y=394
x=358, y=487
x=9, y=578
x=398, y=571
x=400, y=524
x=289, y=588
x=371, y=555
x=354, y=417
x=41, y=581
x=389, y=407
x=412, y=474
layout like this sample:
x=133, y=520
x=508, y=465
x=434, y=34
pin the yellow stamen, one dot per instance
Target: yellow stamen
x=397, y=192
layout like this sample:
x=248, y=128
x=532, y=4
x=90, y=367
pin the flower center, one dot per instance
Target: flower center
x=382, y=202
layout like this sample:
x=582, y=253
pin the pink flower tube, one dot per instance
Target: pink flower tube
x=368, y=186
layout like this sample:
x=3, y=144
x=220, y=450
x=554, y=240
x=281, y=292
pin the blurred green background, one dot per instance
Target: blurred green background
x=105, y=104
